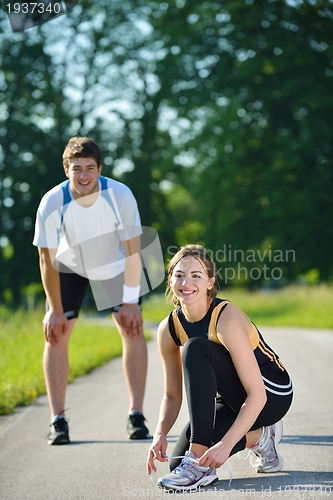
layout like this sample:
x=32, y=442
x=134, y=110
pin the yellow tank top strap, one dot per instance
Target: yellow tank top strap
x=254, y=337
x=180, y=332
x=212, y=333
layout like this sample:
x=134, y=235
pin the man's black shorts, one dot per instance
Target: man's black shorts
x=74, y=288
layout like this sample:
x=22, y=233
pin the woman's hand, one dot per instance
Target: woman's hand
x=215, y=456
x=157, y=451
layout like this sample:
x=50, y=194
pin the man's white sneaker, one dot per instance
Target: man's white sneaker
x=267, y=456
x=188, y=475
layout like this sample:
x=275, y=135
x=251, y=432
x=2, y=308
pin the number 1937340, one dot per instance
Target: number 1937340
x=34, y=8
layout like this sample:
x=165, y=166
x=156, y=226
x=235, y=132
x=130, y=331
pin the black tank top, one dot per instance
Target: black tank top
x=263, y=353
x=196, y=329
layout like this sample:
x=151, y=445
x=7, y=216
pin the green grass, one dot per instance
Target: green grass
x=155, y=308
x=93, y=344
x=304, y=306
x=21, y=347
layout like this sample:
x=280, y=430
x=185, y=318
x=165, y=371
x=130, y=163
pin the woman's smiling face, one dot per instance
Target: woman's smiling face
x=190, y=281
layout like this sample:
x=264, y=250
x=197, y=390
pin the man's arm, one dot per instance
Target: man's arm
x=129, y=316
x=133, y=264
x=55, y=322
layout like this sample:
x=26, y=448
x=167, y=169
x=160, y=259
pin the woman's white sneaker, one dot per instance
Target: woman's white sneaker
x=188, y=475
x=267, y=456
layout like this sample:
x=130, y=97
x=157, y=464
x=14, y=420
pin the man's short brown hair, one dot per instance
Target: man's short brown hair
x=81, y=147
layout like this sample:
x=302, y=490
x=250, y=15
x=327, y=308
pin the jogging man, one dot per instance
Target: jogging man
x=88, y=231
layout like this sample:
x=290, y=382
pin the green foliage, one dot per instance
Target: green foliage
x=217, y=115
x=252, y=83
x=29, y=153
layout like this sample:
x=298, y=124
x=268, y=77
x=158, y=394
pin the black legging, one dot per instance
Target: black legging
x=208, y=370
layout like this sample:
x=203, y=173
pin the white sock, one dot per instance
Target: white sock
x=257, y=443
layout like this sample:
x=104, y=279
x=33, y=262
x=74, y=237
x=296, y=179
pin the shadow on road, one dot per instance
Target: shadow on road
x=316, y=483
x=309, y=440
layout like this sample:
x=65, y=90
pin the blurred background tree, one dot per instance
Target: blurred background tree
x=216, y=114
x=253, y=85
x=31, y=122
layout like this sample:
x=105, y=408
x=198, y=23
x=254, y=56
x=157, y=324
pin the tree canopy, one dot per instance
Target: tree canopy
x=216, y=114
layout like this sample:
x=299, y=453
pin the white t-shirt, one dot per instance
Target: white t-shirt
x=88, y=239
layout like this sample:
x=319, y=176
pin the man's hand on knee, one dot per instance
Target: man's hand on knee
x=54, y=324
x=129, y=318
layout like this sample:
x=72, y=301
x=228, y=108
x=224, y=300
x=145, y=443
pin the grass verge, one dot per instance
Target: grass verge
x=303, y=306
x=21, y=347
x=93, y=344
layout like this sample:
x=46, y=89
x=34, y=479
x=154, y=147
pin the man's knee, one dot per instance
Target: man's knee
x=131, y=339
x=61, y=344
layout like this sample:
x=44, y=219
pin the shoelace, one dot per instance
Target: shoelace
x=255, y=459
x=190, y=459
x=54, y=424
x=137, y=420
x=60, y=417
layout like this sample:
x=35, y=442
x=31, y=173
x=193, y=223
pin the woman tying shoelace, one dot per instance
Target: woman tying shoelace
x=237, y=388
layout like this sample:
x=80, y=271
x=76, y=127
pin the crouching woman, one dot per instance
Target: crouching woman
x=237, y=388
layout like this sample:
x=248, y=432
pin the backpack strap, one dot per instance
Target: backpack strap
x=106, y=195
x=67, y=198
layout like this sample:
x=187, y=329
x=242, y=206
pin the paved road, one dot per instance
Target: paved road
x=102, y=464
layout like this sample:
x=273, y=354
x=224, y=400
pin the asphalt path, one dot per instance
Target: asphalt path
x=101, y=463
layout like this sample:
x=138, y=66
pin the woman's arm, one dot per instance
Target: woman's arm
x=233, y=330
x=172, y=398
